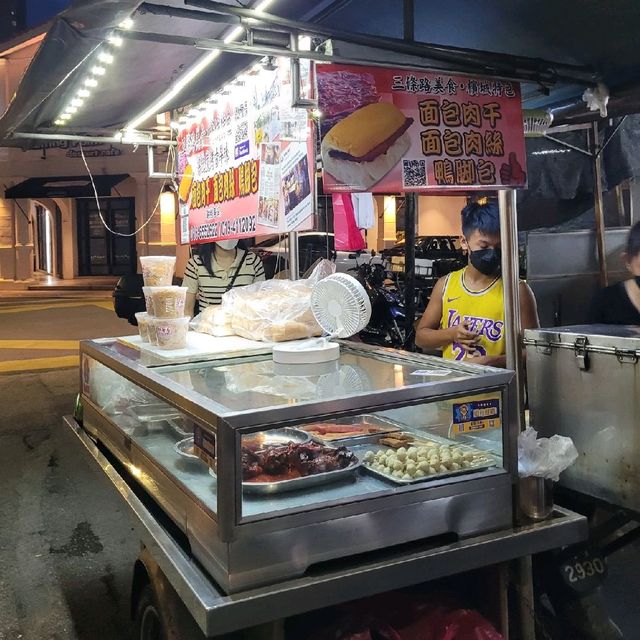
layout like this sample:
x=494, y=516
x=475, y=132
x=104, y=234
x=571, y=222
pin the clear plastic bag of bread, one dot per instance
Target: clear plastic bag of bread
x=213, y=320
x=276, y=310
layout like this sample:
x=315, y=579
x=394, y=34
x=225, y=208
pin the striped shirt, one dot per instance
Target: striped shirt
x=208, y=290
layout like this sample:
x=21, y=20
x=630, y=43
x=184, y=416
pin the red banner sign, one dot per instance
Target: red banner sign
x=392, y=130
x=244, y=162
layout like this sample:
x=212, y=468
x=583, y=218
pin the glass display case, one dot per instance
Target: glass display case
x=272, y=469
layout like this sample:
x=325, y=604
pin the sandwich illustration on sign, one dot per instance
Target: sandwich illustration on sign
x=363, y=147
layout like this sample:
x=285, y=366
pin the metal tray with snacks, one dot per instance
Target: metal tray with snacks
x=434, y=458
x=378, y=425
x=275, y=437
x=296, y=484
x=153, y=412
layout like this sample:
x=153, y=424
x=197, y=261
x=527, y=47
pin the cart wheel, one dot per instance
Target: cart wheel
x=148, y=623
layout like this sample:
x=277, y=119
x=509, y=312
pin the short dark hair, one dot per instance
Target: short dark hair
x=483, y=217
x=633, y=241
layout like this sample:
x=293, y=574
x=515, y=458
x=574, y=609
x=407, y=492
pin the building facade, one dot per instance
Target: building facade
x=50, y=220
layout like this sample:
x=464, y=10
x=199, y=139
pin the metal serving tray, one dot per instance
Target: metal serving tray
x=180, y=427
x=486, y=463
x=153, y=412
x=389, y=426
x=297, y=484
x=182, y=449
x=275, y=437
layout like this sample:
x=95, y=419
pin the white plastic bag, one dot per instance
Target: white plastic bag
x=275, y=310
x=544, y=457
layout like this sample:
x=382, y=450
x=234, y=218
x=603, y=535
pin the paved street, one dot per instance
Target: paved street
x=66, y=549
x=37, y=333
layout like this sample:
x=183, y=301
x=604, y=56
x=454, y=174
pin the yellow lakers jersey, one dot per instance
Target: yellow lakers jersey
x=483, y=312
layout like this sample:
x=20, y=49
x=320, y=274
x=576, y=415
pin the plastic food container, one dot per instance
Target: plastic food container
x=168, y=302
x=152, y=334
x=171, y=333
x=148, y=300
x=157, y=271
x=143, y=319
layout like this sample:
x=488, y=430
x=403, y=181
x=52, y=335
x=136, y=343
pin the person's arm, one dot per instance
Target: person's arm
x=528, y=308
x=190, y=280
x=430, y=335
x=528, y=320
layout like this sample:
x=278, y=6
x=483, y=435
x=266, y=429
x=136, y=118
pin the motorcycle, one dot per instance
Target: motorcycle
x=386, y=326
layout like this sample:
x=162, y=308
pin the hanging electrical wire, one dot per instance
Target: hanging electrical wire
x=171, y=159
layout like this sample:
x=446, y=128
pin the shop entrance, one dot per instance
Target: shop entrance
x=44, y=254
x=100, y=252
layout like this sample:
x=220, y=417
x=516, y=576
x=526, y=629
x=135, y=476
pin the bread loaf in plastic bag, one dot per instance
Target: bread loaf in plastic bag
x=275, y=310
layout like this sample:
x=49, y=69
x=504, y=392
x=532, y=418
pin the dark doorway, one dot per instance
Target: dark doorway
x=44, y=240
x=100, y=252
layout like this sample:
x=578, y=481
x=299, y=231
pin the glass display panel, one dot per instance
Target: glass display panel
x=322, y=461
x=160, y=430
x=258, y=383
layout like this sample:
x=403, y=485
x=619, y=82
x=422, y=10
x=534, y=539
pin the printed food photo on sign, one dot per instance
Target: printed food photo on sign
x=392, y=130
x=365, y=145
x=296, y=186
x=269, y=191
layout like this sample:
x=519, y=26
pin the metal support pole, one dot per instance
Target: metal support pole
x=151, y=168
x=599, y=206
x=410, y=215
x=294, y=268
x=141, y=141
x=622, y=214
x=511, y=284
x=408, y=13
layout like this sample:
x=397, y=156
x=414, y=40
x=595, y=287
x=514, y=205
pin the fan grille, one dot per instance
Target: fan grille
x=340, y=305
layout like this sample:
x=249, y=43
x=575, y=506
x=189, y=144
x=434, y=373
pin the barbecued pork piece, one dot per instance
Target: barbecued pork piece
x=250, y=465
x=274, y=460
x=305, y=459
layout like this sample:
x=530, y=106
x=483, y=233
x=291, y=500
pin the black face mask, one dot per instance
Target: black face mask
x=486, y=261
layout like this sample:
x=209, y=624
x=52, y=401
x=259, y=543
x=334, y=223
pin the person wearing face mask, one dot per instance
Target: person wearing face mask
x=465, y=314
x=620, y=303
x=215, y=268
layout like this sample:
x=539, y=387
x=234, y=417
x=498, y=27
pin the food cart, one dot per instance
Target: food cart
x=268, y=549
x=220, y=553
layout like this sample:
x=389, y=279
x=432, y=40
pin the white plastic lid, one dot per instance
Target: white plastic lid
x=306, y=352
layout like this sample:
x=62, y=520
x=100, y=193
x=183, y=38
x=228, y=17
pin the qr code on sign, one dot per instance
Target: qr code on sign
x=414, y=173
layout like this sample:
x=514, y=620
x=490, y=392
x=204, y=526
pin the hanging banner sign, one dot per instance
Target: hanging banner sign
x=245, y=162
x=392, y=130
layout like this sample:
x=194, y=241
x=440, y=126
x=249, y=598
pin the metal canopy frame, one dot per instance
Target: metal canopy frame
x=421, y=56
x=594, y=152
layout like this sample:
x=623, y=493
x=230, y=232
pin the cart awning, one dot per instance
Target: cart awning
x=65, y=187
x=583, y=37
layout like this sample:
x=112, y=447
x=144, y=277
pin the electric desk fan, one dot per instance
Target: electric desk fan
x=342, y=308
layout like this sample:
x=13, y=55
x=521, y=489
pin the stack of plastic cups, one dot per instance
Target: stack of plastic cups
x=164, y=323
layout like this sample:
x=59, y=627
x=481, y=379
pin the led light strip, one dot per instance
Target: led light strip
x=192, y=73
x=104, y=57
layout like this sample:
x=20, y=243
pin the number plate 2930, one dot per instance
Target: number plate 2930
x=583, y=571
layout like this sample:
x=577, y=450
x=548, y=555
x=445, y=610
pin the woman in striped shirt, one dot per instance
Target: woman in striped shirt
x=216, y=267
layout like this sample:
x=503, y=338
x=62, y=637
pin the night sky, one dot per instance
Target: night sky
x=39, y=11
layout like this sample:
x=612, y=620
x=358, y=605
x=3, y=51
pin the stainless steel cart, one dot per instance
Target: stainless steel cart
x=215, y=612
